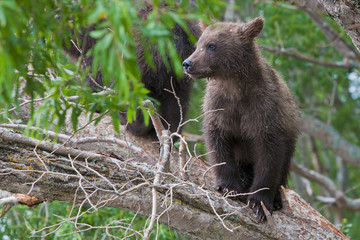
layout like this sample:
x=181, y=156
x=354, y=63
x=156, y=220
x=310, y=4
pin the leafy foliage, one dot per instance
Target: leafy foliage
x=31, y=57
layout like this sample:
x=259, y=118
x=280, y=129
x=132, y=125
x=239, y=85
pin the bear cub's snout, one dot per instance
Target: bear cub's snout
x=187, y=65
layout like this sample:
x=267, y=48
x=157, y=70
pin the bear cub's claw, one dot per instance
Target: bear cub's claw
x=227, y=191
x=222, y=189
x=255, y=206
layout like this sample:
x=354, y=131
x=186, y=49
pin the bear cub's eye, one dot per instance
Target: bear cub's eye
x=211, y=46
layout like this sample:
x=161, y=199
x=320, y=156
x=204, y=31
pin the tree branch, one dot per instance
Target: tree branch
x=331, y=138
x=125, y=182
x=293, y=54
x=338, y=196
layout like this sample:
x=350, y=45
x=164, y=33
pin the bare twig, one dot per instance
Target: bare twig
x=284, y=200
x=179, y=104
x=158, y=126
x=269, y=218
x=164, y=158
x=165, y=142
x=182, y=158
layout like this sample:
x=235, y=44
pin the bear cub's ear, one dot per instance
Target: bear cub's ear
x=253, y=28
x=203, y=25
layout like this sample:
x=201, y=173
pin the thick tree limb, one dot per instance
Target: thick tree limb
x=95, y=179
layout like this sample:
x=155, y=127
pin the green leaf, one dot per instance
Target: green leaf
x=98, y=33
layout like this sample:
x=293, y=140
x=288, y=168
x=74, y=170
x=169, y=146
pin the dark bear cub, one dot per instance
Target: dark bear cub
x=251, y=122
x=155, y=80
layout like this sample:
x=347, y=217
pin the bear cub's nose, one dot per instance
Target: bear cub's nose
x=187, y=65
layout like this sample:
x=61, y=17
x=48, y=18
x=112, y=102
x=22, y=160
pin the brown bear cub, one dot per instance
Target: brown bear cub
x=155, y=80
x=251, y=121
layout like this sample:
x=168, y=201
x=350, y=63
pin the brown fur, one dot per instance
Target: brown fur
x=256, y=124
x=155, y=80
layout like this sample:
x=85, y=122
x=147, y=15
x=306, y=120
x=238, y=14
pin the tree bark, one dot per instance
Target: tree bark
x=99, y=174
